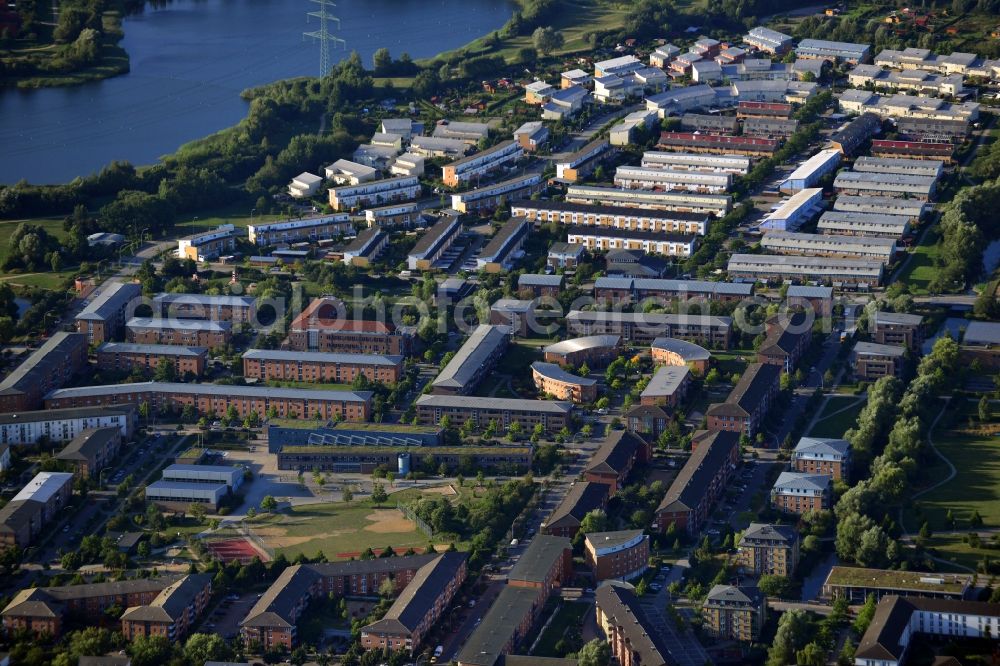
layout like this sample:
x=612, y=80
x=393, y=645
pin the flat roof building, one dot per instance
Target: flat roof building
x=864, y=182
x=911, y=208
x=833, y=51
x=715, y=204
x=794, y=211
x=553, y=415
x=643, y=328
x=650, y=178
x=770, y=267
x=62, y=425
x=837, y=222
x=826, y=245
x=734, y=164
x=489, y=197
x=667, y=387
x=308, y=229
x=810, y=172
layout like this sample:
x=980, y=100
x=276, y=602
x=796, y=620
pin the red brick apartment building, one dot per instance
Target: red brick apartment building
x=92, y=450
x=787, y=340
x=104, y=318
x=321, y=367
x=172, y=613
x=701, y=482
x=188, y=332
x=272, y=621
x=582, y=498
x=748, y=403
x=633, y=638
x=50, y=366
x=799, y=492
x=612, y=463
x=323, y=327
x=621, y=555
x=819, y=455
x=898, y=328
x=126, y=356
x=546, y=565
x=44, y=609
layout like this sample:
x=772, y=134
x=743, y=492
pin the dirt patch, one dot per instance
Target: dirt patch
x=446, y=489
x=387, y=521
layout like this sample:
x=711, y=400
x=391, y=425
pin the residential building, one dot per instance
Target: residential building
x=620, y=66
x=594, y=350
x=574, y=77
x=671, y=352
x=687, y=98
x=468, y=132
x=545, y=565
x=207, y=245
x=582, y=498
x=92, y=450
x=851, y=138
x=404, y=127
x=879, y=225
x=553, y=416
x=818, y=300
x=650, y=178
x=981, y=342
x=810, y=172
x=377, y=157
x=647, y=421
x=706, y=71
x=611, y=217
x=662, y=55
x=207, y=399
x=801, y=492
x=320, y=367
x=582, y=163
x=307, y=229
x=775, y=128
x=835, y=52
x=700, y=483
x=893, y=184
x=917, y=80
x=900, y=106
x=821, y=455
x=125, y=357
x=625, y=132
x=304, y=185
x=172, y=613
x=651, y=242
x=432, y=146
x=434, y=243
x=375, y=193
x=501, y=251
x=634, y=264
x=872, y=361
x=517, y=315
x=502, y=628
x=715, y=204
x=794, y=211
x=404, y=215
x=490, y=197
x=613, y=461
x=323, y=326
x=104, y=318
x=775, y=90
x=173, y=331
x=54, y=364
x=898, y=620
x=531, y=136
x=911, y=208
x=667, y=387
x=631, y=634
x=473, y=361
x=924, y=59
x=747, y=109
x=916, y=150
x=62, y=425
x=943, y=130
x=407, y=164
x=565, y=103
x=768, y=550
x=733, y=164
x=734, y=613
x=642, y=328
x=538, y=285
x=768, y=268
x=481, y=164
x=765, y=39
x=786, y=341
x=744, y=410
x=719, y=144
x=551, y=379
x=366, y=247
x=897, y=328
x=829, y=245
x=346, y=172
x=37, y=503
x=418, y=607
x=856, y=584
x=621, y=555
x=710, y=123
x=637, y=290
x=235, y=309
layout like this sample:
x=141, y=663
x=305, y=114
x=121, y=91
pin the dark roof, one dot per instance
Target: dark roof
x=616, y=454
x=523, y=660
x=18, y=513
x=733, y=596
x=758, y=533
x=646, y=410
x=540, y=558
x=107, y=660
x=170, y=603
x=857, y=132
x=582, y=498
x=88, y=443
x=45, y=599
x=691, y=483
x=622, y=608
x=497, y=248
x=783, y=339
x=434, y=235
x=749, y=391
x=419, y=596
x=43, y=362
x=548, y=205
x=611, y=539
x=487, y=643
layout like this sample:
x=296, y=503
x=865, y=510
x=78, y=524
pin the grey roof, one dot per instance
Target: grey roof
x=883, y=318
x=731, y=595
x=650, y=319
x=111, y=298
x=675, y=286
x=420, y=595
x=170, y=604
x=586, y=342
x=206, y=299
x=232, y=390
x=387, y=360
x=543, y=555
x=53, y=352
x=836, y=448
x=508, y=404
x=802, y=481
x=218, y=469
x=472, y=355
x=807, y=291
x=622, y=608
x=539, y=280
x=517, y=305
x=763, y=532
x=686, y=350
x=15, y=514
x=982, y=333
x=694, y=479
x=158, y=350
x=499, y=627
x=582, y=498
x=87, y=444
x=555, y=371
x=666, y=380
x=65, y=413
x=504, y=240
x=44, y=486
x=611, y=539
x=177, y=323
x=749, y=392
x=875, y=349
x=565, y=248
x=434, y=236
x=274, y=607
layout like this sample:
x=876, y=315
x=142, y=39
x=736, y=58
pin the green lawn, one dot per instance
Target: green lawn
x=922, y=265
x=834, y=423
x=235, y=214
x=976, y=486
x=339, y=530
x=569, y=616
x=953, y=549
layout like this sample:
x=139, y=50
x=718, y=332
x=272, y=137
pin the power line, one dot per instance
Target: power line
x=324, y=36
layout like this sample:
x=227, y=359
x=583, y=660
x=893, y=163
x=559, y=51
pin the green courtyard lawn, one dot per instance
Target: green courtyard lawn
x=921, y=265
x=975, y=453
x=567, y=619
x=838, y=415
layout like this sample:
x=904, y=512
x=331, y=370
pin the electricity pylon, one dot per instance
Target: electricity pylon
x=323, y=34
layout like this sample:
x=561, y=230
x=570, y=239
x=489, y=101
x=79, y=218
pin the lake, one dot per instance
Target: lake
x=191, y=59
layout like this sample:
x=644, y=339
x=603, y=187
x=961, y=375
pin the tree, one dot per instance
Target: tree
x=197, y=511
x=144, y=550
x=382, y=61
x=387, y=588
x=811, y=655
x=268, y=504
x=985, y=411
x=774, y=586
x=546, y=40
x=165, y=370
x=149, y=650
x=346, y=494
x=594, y=521
x=865, y=616
x=379, y=496
x=791, y=635
x=200, y=648
x=594, y=653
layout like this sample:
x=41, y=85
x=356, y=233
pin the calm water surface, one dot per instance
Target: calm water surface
x=191, y=59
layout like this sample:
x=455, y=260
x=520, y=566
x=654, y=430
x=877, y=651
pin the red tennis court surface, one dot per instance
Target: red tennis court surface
x=238, y=549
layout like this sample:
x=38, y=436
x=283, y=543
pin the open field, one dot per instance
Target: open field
x=922, y=265
x=975, y=453
x=950, y=547
x=235, y=214
x=838, y=415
